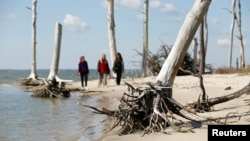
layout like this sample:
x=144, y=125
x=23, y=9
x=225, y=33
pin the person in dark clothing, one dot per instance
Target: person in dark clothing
x=118, y=67
x=83, y=71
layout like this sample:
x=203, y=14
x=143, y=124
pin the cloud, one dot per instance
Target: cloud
x=8, y=16
x=154, y=4
x=214, y=21
x=140, y=16
x=131, y=3
x=73, y=23
x=169, y=9
x=223, y=42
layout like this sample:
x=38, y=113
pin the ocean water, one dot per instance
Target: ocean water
x=10, y=75
x=27, y=118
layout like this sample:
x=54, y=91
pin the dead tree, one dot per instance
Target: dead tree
x=171, y=65
x=54, y=86
x=236, y=18
x=152, y=108
x=203, y=44
x=207, y=104
x=240, y=37
x=202, y=49
x=33, y=74
x=145, y=40
x=111, y=31
x=231, y=34
x=32, y=79
x=194, y=65
x=53, y=75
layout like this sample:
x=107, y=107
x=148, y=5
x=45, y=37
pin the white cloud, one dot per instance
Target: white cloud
x=140, y=16
x=73, y=23
x=131, y=3
x=214, y=21
x=154, y=3
x=169, y=9
x=226, y=42
x=8, y=16
x=223, y=42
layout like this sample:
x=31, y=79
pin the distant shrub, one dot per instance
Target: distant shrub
x=224, y=70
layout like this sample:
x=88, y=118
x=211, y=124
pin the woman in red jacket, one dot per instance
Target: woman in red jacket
x=103, y=70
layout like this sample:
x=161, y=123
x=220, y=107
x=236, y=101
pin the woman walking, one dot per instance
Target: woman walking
x=83, y=71
x=118, y=67
x=103, y=70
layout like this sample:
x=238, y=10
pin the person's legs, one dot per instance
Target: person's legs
x=105, y=79
x=81, y=75
x=86, y=80
x=100, y=79
x=118, y=78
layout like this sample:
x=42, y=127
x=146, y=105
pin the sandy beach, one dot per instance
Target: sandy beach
x=185, y=90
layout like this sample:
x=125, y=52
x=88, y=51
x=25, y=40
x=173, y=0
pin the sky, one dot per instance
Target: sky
x=85, y=31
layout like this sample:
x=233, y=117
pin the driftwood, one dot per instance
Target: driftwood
x=207, y=104
x=152, y=109
x=218, y=100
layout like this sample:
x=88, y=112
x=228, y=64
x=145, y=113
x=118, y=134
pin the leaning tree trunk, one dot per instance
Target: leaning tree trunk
x=145, y=40
x=33, y=74
x=231, y=34
x=206, y=37
x=53, y=75
x=186, y=34
x=151, y=108
x=111, y=31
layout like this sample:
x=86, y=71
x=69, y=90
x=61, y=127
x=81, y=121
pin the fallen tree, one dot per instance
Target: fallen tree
x=137, y=112
x=152, y=108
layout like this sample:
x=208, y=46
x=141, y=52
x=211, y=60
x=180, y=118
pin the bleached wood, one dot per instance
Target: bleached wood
x=56, y=55
x=183, y=40
x=231, y=34
x=53, y=75
x=111, y=31
x=194, y=65
x=33, y=74
x=240, y=37
x=145, y=40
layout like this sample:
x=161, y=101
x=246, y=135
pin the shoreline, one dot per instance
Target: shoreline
x=185, y=90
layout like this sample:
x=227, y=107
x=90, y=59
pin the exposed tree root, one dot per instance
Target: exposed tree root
x=31, y=82
x=52, y=89
x=148, y=109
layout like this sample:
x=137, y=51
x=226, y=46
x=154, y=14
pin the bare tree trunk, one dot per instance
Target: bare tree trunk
x=111, y=31
x=231, y=35
x=194, y=67
x=53, y=75
x=173, y=62
x=205, y=38
x=145, y=40
x=202, y=49
x=33, y=74
x=240, y=37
